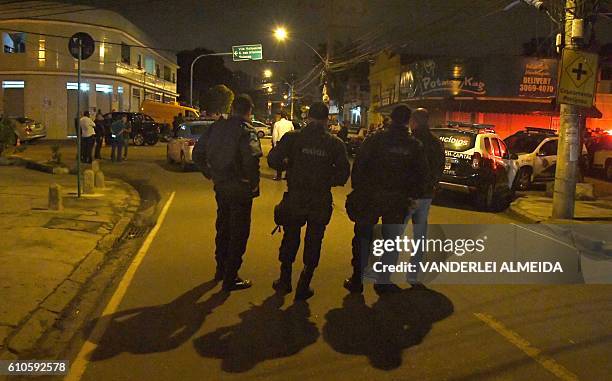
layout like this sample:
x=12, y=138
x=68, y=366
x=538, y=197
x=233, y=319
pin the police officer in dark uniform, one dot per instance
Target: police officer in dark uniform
x=228, y=152
x=315, y=162
x=389, y=171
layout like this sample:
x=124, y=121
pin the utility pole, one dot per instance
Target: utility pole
x=79, y=132
x=569, y=149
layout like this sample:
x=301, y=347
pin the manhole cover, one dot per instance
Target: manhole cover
x=133, y=232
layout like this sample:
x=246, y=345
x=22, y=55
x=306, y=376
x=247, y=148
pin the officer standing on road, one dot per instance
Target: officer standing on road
x=315, y=162
x=434, y=150
x=228, y=152
x=389, y=171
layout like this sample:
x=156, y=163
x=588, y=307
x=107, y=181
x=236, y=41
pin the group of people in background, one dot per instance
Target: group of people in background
x=101, y=131
x=394, y=176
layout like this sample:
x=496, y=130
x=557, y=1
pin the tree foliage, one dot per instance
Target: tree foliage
x=7, y=135
x=219, y=99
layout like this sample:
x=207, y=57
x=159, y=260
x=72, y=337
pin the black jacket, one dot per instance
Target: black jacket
x=228, y=152
x=391, y=162
x=434, y=149
x=315, y=160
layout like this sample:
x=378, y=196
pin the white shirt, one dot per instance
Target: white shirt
x=281, y=128
x=87, y=127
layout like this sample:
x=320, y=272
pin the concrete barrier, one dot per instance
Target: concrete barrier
x=99, y=179
x=88, y=181
x=56, y=202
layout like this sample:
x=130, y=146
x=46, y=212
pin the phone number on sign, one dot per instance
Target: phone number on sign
x=34, y=367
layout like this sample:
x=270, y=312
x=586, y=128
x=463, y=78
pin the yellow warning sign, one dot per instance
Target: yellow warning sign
x=578, y=78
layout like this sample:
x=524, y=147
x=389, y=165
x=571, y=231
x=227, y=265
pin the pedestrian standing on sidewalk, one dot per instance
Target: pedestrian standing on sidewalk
x=117, y=129
x=228, y=152
x=126, y=138
x=390, y=171
x=88, y=132
x=99, y=129
x=434, y=150
x=315, y=161
x=281, y=127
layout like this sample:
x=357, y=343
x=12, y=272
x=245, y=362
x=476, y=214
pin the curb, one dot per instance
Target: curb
x=33, y=327
x=524, y=214
x=37, y=165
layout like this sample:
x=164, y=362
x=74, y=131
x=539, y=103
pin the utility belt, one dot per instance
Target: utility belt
x=365, y=207
x=296, y=208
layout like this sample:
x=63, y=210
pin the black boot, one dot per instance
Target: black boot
x=354, y=285
x=303, y=290
x=283, y=283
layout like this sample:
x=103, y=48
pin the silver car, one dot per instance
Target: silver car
x=182, y=140
x=28, y=129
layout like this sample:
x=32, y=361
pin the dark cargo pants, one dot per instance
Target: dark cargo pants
x=233, y=228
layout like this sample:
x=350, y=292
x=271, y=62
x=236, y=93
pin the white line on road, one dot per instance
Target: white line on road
x=546, y=236
x=80, y=362
x=536, y=354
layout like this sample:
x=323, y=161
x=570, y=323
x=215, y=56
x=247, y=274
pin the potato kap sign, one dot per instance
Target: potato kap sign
x=528, y=77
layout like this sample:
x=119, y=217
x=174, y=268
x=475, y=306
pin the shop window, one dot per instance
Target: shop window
x=125, y=54
x=14, y=42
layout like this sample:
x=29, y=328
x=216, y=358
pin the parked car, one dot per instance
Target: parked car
x=27, y=129
x=602, y=155
x=536, y=149
x=477, y=163
x=182, y=140
x=144, y=129
x=261, y=128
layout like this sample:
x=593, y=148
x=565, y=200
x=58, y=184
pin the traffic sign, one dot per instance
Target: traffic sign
x=88, y=46
x=247, y=52
x=578, y=78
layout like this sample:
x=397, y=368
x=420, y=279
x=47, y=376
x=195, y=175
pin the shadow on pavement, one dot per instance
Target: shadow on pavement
x=157, y=328
x=265, y=332
x=382, y=332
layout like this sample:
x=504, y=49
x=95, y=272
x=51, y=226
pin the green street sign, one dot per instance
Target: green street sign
x=247, y=52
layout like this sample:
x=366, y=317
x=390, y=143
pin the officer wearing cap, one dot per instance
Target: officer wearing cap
x=315, y=162
x=228, y=152
x=389, y=171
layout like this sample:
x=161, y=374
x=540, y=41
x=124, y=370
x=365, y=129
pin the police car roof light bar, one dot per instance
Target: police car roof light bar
x=548, y=131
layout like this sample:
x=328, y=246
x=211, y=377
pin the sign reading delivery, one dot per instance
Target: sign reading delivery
x=505, y=77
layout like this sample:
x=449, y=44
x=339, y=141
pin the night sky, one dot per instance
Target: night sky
x=422, y=27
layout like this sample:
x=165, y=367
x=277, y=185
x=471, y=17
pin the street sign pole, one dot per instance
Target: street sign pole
x=569, y=148
x=191, y=72
x=79, y=132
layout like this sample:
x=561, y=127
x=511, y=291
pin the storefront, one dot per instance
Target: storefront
x=510, y=93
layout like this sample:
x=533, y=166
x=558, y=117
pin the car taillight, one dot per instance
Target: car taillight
x=476, y=159
x=191, y=143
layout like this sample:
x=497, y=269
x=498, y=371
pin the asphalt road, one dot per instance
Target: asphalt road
x=174, y=324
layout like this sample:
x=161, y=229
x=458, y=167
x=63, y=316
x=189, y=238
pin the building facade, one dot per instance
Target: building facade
x=510, y=93
x=39, y=76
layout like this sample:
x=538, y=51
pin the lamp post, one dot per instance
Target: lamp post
x=191, y=72
x=281, y=34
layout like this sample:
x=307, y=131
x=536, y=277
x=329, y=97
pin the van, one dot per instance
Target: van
x=164, y=113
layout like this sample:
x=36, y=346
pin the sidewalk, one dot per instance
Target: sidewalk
x=46, y=256
x=537, y=209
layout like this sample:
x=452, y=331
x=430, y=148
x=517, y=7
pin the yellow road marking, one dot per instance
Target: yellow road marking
x=77, y=369
x=548, y=363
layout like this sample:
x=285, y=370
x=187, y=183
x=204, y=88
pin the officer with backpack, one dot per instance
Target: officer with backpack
x=315, y=162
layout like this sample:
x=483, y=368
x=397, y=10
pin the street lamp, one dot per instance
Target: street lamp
x=191, y=72
x=281, y=34
x=267, y=73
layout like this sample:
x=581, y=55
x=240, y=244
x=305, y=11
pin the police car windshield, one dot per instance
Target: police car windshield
x=455, y=140
x=524, y=143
